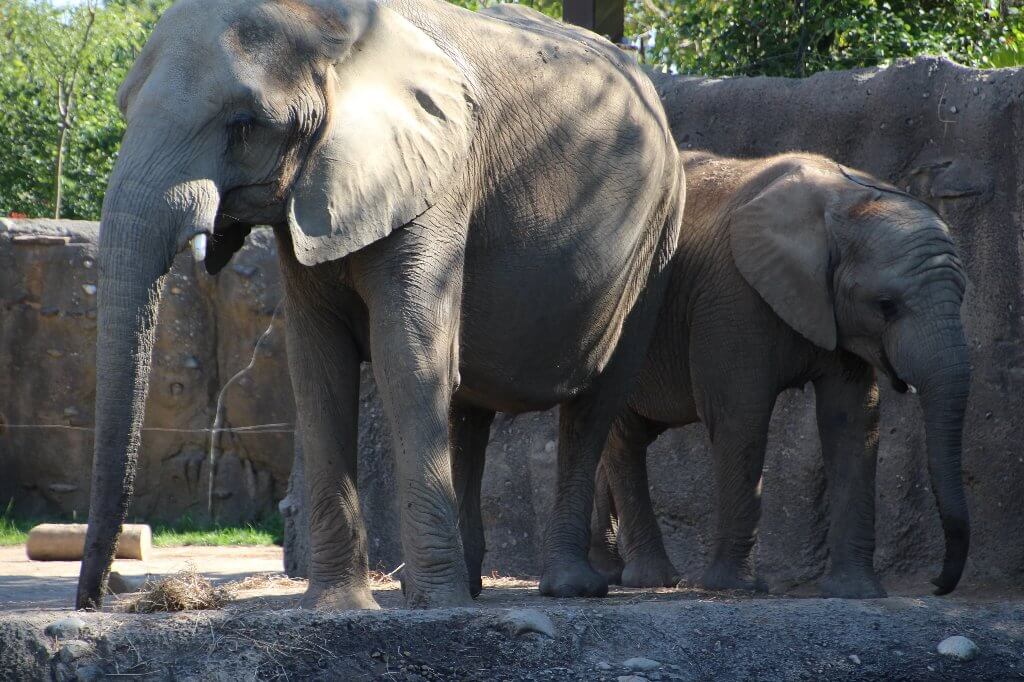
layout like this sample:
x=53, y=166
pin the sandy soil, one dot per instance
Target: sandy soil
x=33, y=585
x=688, y=634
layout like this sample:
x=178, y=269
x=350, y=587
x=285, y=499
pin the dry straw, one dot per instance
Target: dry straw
x=185, y=590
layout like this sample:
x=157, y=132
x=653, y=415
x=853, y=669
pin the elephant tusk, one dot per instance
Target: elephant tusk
x=199, y=247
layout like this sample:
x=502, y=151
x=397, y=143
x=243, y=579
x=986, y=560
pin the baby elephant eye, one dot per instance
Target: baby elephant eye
x=887, y=307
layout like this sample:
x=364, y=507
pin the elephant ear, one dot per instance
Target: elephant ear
x=779, y=242
x=398, y=127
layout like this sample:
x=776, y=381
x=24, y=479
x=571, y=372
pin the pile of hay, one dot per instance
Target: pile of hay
x=182, y=591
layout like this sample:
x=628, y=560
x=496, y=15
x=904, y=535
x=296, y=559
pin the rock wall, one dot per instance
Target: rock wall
x=207, y=330
x=951, y=135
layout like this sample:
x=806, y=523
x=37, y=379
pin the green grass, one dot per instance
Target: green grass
x=180, y=533
x=186, y=532
x=13, y=531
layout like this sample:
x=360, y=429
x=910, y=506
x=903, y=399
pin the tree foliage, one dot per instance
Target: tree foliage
x=59, y=72
x=44, y=50
x=799, y=37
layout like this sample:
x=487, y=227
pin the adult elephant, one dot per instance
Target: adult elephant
x=484, y=207
x=791, y=270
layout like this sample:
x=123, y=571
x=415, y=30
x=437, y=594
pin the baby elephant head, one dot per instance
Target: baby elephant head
x=850, y=262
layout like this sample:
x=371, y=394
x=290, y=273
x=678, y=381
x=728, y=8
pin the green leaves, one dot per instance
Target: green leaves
x=61, y=69
x=800, y=37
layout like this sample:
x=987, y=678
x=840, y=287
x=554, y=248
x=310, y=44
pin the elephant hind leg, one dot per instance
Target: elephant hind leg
x=470, y=428
x=640, y=543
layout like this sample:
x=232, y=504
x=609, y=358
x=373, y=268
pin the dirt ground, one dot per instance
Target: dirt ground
x=686, y=634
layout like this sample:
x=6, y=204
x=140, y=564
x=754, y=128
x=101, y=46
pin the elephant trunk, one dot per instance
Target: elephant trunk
x=144, y=223
x=130, y=279
x=941, y=372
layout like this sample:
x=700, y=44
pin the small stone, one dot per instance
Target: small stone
x=176, y=290
x=54, y=353
x=977, y=90
x=87, y=263
x=88, y=673
x=603, y=665
x=952, y=110
x=549, y=446
x=641, y=664
x=925, y=95
x=958, y=647
x=522, y=621
x=73, y=650
x=66, y=628
x=89, y=289
x=854, y=658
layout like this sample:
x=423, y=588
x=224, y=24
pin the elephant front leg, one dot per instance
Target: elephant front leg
x=324, y=364
x=640, y=544
x=471, y=428
x=738, y=449
x=847, y=410
x=412, y=285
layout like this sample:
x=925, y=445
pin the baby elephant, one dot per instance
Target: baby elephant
x=794, y=269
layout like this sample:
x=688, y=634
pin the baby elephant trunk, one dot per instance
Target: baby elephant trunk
x=938, y=365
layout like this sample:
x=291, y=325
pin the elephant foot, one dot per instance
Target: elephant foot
x=441, y=597
x=575, y=579
x=650, y=573
x=336, y=598
x=730, y=577
x=859, y=584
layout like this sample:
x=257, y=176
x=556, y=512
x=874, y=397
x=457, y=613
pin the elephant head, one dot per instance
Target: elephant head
x=852, y=263
x=338, y=118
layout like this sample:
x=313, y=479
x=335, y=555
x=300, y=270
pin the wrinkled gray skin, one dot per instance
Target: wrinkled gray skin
x=789, y=270
x=483, y=206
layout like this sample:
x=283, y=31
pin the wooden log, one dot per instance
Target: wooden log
x=66, y=542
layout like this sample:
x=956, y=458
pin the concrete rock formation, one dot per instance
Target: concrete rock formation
x=952, y=136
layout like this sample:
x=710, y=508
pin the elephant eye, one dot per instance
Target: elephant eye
x=887, y=307
x=240, y=126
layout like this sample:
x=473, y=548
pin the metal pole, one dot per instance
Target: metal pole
x=606, y=17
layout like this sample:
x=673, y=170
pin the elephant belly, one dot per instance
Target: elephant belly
x=541, y=329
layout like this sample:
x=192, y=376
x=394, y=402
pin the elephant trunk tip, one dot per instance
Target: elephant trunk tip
x=957, y=545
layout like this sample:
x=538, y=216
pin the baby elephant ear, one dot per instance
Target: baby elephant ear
x=398, y=128
x=780, y=245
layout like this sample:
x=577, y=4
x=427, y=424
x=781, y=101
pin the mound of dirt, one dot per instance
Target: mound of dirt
x=513, y=634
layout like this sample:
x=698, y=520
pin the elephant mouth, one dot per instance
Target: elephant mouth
x=898, y=384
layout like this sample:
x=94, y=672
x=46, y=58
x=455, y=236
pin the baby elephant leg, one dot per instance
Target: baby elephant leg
x=604, y=546
x=471, y=429
x=640, y=544
x=738, y=450
x=847, y=406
